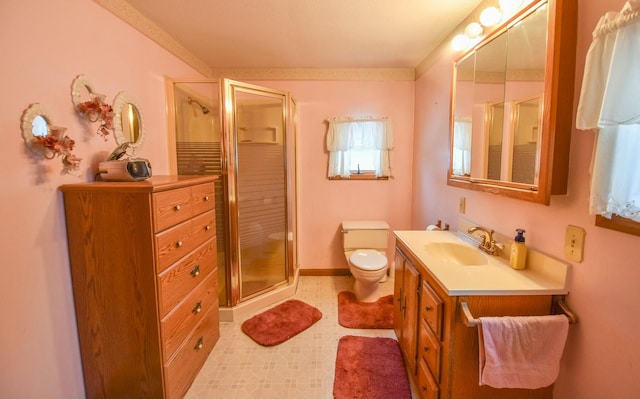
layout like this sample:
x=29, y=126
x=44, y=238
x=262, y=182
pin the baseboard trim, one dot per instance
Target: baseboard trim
x=324, y=272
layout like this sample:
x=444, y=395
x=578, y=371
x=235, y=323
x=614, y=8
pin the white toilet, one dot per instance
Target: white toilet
x=365, y=245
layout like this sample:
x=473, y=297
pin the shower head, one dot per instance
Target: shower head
x=204, y=109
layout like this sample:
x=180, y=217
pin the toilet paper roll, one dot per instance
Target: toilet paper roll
x=432, y=227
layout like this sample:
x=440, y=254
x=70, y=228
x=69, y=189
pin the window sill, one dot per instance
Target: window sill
x=362, y=176
x=619, y=223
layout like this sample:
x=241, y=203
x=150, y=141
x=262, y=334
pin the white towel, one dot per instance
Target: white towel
x=521, y=352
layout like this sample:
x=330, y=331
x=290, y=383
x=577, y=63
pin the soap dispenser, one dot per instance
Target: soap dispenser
x=518, y=257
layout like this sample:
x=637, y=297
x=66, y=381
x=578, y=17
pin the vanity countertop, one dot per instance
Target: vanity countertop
x=543, y=276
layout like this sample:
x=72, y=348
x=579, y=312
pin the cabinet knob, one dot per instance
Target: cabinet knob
x=428, y=308
x=196, y=309
x=199, y=344
x=426, y=349
x=177, y=208
x=206, y=198
x=207, y=228
x=178, y=244
x=195, y=271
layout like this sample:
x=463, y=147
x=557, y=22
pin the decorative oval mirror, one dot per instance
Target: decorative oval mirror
x=511, y=105
x=128, y=124
x=35, y=127
x=91, y=105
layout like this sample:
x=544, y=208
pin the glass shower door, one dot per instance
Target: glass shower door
x=257, y=172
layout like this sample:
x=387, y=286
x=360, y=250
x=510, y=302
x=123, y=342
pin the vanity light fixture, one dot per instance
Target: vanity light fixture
x=473, y=30
x=460, y=42
x=490, y=16
x=510, y=5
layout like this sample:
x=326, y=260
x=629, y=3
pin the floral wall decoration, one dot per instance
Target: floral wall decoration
x=92, y=105
x=47, y=139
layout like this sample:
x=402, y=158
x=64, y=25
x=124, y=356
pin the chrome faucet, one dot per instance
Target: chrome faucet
x=487, y=243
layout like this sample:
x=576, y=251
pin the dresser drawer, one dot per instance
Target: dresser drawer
x=177, y=325
x=431, y=310
x=203, y=198
x=178, y=280
x=172, y=207
x=183, y=367
x=427, y=386
x=429, y=349
x=176, y=242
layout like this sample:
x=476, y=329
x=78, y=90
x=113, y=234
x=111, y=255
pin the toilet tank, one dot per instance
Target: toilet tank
x=362, y=234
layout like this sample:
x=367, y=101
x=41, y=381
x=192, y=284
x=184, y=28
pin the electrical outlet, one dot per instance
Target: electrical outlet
x=462, y=205
x=574, y=243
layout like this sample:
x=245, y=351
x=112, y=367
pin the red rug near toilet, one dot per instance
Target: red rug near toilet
x=354, y=314
x=278, y=324
x=370, y=368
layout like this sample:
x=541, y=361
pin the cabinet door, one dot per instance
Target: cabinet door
x=398, y=294
x=409, y=339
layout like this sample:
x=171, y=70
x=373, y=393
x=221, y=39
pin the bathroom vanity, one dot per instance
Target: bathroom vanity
x=437, y=275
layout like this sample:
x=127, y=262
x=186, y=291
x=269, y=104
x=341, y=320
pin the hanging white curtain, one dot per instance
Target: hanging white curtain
x=609, y=103
x=461, y=163
x=366, y=134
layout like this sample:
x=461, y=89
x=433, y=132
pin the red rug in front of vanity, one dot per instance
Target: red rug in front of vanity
x=278, y=324
x=354, y=314
x=368, y=367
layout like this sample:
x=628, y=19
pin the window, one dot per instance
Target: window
x=608, y=103
x=359, y=148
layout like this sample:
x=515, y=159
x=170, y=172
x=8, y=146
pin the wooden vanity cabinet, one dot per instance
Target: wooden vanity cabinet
x=406, y=302
x=446, y=362
x=144, y=274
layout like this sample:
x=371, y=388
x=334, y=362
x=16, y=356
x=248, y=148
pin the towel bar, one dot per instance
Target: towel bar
x=558, y=302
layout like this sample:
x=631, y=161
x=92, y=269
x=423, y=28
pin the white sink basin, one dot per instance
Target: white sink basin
x=456, y=253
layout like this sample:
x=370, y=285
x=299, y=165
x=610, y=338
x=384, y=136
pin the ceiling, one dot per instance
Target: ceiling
x=308, y=33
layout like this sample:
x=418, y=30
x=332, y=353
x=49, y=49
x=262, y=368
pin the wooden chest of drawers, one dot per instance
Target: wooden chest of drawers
x=143, y=264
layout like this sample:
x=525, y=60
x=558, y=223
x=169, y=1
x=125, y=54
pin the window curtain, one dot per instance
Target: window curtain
x=461, y=163
x=609, y=104
x=348, y=134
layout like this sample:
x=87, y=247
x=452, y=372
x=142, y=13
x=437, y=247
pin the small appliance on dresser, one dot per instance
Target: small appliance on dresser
x=144, y=274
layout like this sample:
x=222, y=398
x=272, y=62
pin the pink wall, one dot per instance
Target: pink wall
x=602, y=355
x=44, y=45
x=324, y=204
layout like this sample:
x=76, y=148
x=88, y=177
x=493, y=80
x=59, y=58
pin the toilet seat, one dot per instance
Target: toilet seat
x=368, y=259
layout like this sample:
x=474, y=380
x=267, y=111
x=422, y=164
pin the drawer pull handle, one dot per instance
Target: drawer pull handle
x=206, y=198
x=196, y=309
x=195, y=271
x=199, y=344
x=178, y=244
x=177, y=208
x=428, y=308
x=207, y=228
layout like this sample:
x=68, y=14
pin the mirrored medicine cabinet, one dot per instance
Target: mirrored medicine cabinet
x=512, y=105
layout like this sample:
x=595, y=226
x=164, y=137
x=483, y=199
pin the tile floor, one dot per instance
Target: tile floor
x=302, y=367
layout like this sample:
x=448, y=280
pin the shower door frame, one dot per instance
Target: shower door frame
x=229, y=181
x=230, y=174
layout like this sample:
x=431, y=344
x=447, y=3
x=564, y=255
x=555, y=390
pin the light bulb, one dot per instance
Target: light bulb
x=473, y=30
x=490, y=16
x=510, y=5
x=460, y=42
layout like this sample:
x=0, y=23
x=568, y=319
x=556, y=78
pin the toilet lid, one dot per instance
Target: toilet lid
x=368, y=259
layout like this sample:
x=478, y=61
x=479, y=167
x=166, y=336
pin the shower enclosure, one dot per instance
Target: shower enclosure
x=245, y=135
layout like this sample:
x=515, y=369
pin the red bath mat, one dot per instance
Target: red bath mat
x=354, y=314
x=370, y=368
x=278, y=324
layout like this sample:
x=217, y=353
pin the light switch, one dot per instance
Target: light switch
x=574, y=243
